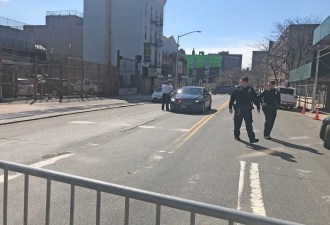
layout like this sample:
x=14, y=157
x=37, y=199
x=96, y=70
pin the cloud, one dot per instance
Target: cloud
x=4, y=1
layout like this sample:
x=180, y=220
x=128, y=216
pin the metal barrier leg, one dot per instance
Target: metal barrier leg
x=192, y=218
x=231, y=222
x=158, y=215
x=48, y=196
x=98, y=208
x=72, y=205
x=26, y=199
x=5, y=197
x=126, y=211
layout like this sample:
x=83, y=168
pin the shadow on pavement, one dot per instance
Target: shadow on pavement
x=299, y=147
x=285, y=156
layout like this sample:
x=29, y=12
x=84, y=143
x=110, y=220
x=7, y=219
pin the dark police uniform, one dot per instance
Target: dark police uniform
x=270, y=101
x=242, y=100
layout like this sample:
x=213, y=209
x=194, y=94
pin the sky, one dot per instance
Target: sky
x=232, y=25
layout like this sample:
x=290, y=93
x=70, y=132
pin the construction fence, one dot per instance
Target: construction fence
x=305, y=96
x=22, y=76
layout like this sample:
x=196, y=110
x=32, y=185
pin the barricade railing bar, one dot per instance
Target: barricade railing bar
x=159, y=200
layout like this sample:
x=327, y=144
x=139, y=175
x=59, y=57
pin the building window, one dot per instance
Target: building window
x=55, y=24
x=69, y=44
x=70, y=30
x=52, y=37
x=146, y=10
x=145, y=33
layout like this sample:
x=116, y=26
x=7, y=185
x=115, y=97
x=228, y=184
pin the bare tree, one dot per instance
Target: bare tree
x=259, y=76
x=291, y=49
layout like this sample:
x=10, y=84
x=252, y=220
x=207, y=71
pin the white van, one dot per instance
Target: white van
x=24, y=87
x=288, y=96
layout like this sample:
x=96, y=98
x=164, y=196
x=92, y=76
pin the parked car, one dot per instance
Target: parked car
x=325, y=132
x=89, y=87
x=191, y=99
x=288, y=97
x=24, y=87
x=53, y=86
x=157, y=95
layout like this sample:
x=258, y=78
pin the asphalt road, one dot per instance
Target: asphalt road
x=189, y=156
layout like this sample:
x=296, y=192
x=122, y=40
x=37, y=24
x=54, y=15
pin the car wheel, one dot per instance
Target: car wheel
x=322, y=131
x=203, y=109
x=172, y=109
x=327, y=138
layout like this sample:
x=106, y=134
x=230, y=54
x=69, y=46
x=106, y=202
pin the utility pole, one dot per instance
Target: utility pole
x=118, y=68
x=137, y=60
x=35, y=76
x=0, y=73
x=177, y=56
x=315, y=80
x=61, y=81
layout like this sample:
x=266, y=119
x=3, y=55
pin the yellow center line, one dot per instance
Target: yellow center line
x=199, y=125
x=196, y=125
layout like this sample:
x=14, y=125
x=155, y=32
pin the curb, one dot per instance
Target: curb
x=53, y=115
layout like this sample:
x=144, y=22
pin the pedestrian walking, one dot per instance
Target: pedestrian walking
x=270, y=101
x=242, y=100
x=166, y=99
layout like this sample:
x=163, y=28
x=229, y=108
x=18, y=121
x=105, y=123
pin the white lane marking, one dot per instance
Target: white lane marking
x=180, y=130
x=162, y=128
x=92, y=144
x=326, y=198
x=82, y=122
x=300, y=138
x=5, y=143
x=37, y=165
x=148, y=127
x=303, y=171
x=241, y=184
x=156, y=157
x=194, y=178
x=257, y=204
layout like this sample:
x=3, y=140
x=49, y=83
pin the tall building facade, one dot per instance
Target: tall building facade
x=231, y=62
x=133, y=27
x=62, y=35
x=292, y=49
x=259, y=58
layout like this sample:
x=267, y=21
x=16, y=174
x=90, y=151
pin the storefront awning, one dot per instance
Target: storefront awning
x=322, y=33
x=301, y=73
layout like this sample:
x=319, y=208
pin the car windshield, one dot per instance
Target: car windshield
x=23, y=82
x=158, y=90
x=286, y=91
x=191, y=91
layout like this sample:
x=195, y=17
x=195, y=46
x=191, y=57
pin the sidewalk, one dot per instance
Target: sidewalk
x=26, y=110
x=310, y=114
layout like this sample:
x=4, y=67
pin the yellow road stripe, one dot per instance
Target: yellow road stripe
x=197, y=124
x=200, y=124
x=191, y=129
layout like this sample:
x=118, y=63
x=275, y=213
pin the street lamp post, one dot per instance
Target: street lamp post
x=177, y=55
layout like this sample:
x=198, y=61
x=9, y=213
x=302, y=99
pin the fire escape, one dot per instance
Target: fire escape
x=156, y=38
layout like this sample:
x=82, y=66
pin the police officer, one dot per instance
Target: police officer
x=242, y=100
x=166, y=98
x=270, y=100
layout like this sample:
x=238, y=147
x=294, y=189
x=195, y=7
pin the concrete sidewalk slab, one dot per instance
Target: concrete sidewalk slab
x=19, y=111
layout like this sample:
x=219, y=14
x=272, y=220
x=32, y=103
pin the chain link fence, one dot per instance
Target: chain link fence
x=57, y=77
x=305, y=96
